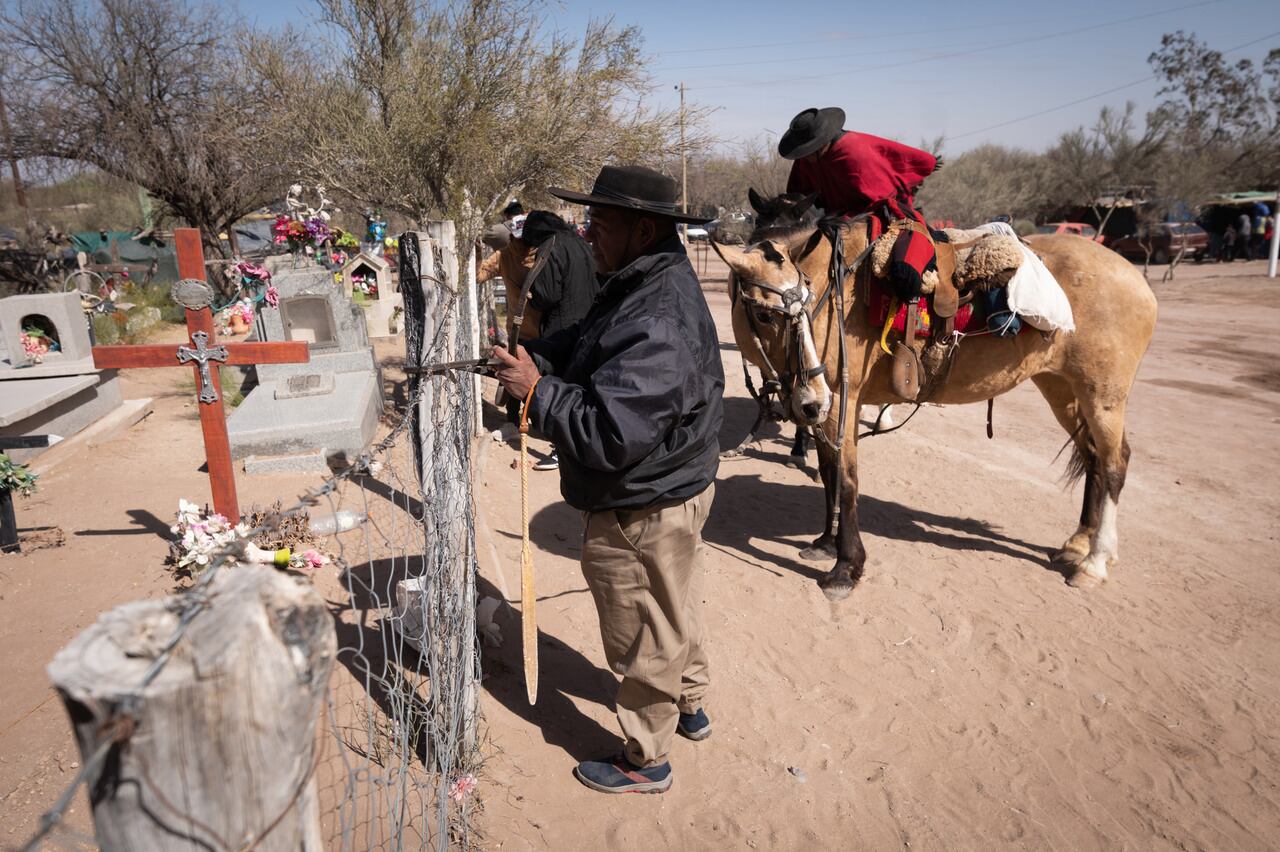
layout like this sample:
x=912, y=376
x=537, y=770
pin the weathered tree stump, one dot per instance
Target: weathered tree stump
x=221, y=745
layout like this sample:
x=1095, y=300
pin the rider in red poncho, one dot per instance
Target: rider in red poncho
x=854, y=173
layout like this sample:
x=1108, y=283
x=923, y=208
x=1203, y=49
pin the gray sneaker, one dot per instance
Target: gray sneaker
x=551, y=462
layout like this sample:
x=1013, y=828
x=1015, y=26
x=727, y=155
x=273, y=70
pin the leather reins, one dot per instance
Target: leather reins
x=794, y=308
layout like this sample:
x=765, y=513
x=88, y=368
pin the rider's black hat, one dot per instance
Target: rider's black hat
x=810, y=130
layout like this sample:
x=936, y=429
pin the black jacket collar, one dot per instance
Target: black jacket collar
x=659, y=257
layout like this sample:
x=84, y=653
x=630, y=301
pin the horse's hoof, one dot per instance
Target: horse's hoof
x=818, y=552
x=837, y=585
x=796, y=461
x=837, y=591
x=1084, y=579
x=1068, y=556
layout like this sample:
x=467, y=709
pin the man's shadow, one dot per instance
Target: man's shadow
x=145, y=523
x=370, y=650
x=563, y=674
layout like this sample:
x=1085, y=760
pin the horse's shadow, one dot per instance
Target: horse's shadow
x=749, y=509
x=792, y=513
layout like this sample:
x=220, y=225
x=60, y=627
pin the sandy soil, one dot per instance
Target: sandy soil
x=963, y=697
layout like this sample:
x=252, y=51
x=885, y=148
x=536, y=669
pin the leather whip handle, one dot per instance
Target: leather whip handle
x=528, y=599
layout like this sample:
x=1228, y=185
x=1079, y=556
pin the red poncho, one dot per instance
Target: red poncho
x=860, y=171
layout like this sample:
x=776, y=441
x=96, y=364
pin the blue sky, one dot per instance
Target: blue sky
x=911, y=71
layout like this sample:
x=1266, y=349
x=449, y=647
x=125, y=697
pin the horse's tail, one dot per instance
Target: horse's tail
x=1083, y=455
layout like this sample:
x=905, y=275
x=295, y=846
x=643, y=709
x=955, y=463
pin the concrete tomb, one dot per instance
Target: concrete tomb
x=300, y=415
x=62, y=394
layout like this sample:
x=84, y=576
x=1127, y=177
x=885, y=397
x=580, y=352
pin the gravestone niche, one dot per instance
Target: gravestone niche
x=306, y=319
x=63, y=394
x=384, y=307
x=328, y=406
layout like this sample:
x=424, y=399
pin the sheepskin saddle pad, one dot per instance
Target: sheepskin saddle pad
x=983, y=261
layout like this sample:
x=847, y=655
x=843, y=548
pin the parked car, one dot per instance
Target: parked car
x=733, y=229
x=695, y=232
x=1164, y=241
x=1079, y=229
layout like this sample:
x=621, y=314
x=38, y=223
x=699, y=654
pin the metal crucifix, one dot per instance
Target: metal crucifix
x=203, y=354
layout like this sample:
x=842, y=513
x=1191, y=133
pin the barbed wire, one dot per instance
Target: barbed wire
x=403, y=759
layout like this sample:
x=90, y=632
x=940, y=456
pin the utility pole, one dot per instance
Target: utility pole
x=1274, y=250
x=684, y=166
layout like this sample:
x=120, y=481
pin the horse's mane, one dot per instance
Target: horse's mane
x=789, y=237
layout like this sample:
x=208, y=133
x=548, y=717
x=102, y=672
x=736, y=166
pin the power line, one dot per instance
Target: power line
x=810, y=42
x=1072, y=103
x=888, y=50
x=1014, y=42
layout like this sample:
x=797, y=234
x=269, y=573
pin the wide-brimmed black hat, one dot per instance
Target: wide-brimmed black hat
x=810, y=130
x=632, y=188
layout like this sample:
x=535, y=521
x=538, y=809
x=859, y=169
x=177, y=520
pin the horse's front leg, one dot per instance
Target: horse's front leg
x=851, y=557
x=823, y=547
x=799, y=449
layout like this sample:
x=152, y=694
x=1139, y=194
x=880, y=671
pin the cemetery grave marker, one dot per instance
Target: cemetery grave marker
x=194, y=294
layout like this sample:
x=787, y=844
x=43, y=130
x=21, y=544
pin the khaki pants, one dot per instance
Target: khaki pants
x=644, y=569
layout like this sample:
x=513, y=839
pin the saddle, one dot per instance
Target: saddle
x=975, y=263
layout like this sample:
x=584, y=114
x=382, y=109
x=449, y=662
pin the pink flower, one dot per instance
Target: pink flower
x=273, y=295
x=462, y=787
x=313, y=560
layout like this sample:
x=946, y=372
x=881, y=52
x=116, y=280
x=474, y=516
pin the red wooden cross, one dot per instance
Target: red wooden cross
x=200, y=327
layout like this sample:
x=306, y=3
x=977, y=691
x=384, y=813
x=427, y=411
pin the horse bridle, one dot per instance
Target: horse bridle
x=795, y=302
x=795, y=299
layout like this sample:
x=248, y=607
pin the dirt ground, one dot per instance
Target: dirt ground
x=963, y=697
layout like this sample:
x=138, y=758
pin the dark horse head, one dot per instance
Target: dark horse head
x=790, y=211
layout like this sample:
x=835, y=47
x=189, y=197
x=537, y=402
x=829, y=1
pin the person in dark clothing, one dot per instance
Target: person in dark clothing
x=631, y=397
x=564, y=289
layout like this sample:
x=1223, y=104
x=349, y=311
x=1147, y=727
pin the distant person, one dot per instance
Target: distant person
x=1229, y=244
x=1256, y=248
x=1244, y=235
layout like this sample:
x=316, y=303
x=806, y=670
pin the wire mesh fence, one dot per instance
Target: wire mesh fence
x=396, y=753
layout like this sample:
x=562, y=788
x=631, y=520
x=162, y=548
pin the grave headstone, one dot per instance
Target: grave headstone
x=367, y=280
x=326, y=407
x=64, y=392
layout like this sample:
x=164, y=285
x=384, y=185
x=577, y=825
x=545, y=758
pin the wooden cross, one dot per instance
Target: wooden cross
x=194, y=294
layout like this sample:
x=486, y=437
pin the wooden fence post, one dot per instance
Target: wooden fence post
x=439, y=327
x=219, y=751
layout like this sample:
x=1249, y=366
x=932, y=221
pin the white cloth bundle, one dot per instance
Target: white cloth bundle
x=1034, y=294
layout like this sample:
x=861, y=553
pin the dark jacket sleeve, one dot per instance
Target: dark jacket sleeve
x=551, y=353
x=798, y=180
x=635, y=396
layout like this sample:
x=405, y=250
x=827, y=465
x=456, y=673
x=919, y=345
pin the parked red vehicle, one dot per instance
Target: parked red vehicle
x=1164, y=241
x=1079, y=229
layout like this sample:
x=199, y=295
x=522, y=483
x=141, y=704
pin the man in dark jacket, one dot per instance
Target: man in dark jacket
x=631, y=399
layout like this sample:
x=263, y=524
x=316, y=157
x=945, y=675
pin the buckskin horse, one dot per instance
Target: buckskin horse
x=786, y=214
x=784, y=313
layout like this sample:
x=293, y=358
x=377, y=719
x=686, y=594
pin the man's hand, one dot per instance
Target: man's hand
x=516, y=373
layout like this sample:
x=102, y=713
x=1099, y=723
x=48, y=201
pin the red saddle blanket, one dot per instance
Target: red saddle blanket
x=966, y=317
